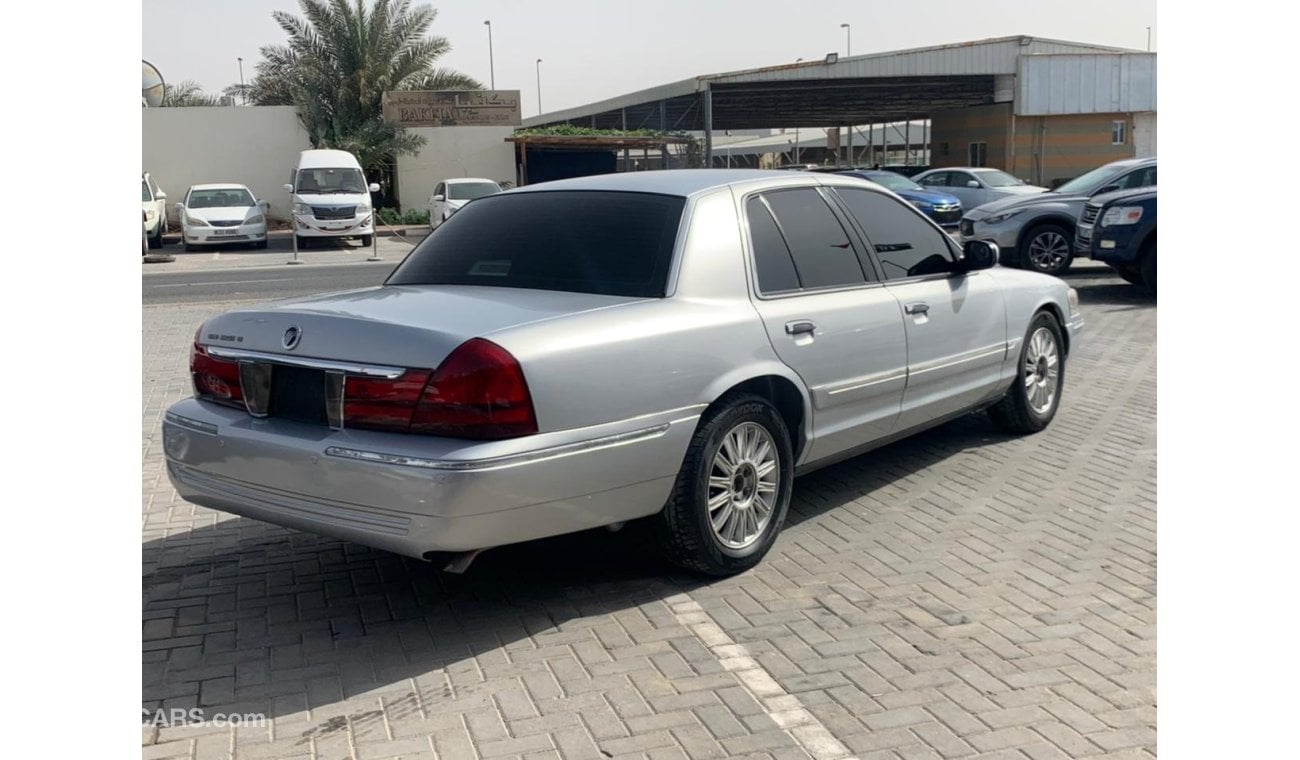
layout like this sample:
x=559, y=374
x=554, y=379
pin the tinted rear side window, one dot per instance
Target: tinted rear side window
x=609, y=243
x=822, y=253
x=906, y=244
x=771, y=258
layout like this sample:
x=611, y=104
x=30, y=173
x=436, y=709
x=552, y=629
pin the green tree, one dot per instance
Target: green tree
x=341, y=56
x=241, y=93
x=187, y=93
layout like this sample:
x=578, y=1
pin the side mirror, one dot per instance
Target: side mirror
x=161, y=196
x=438, y=199
x=180, y=208
x=288, y=187
x=374, y=187
x=1107, y=189
x=264, y=205
x=978, y=254
x=972, y=183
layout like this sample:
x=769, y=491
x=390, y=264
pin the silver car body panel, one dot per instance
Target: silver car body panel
x=619, y=384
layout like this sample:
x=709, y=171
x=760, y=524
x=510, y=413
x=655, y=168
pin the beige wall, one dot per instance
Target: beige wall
x=254, y=146
x=1045, y=149
x=453, y=152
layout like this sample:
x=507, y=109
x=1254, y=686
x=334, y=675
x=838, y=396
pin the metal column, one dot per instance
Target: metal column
x=708, y=126
x=850, y=131
x=626, y=161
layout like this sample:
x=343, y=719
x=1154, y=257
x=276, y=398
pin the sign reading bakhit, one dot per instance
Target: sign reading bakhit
x=453, y=108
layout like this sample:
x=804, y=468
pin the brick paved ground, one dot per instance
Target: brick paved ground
x=960, y=594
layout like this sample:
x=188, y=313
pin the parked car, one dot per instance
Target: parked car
x=222, y=214
x=449, y=195
x=943, y=208
x=331, y=198
x=1119, y=229
x=144, y=232
x=154, y=202
x=975, y=186
x=1038, y=231
x=671, y=345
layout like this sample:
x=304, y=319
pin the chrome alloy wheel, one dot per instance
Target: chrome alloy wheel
x=743, y=481
x=1048, y=250
x=1042, y=370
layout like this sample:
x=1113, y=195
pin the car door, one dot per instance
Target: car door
x=436, y=207
x=159, y=199
x=827, y=316
x=959, y=185
x=956, y=323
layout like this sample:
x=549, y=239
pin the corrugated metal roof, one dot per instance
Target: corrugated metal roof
x=993, y=56
x=1059, y=84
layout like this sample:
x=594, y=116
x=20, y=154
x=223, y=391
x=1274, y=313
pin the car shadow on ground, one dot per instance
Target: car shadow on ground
x=285, y=613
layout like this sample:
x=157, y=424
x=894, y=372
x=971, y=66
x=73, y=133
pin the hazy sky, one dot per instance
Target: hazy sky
x=592, y=50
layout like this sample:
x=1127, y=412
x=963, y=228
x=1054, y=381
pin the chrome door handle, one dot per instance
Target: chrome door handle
x=799, y=327
x=917, y=308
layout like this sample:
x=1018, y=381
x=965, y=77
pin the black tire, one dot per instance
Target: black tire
x=302, y=242
x=190, y=248
x=1147, y=266
x=686, y=535
x=1130, y=275
x=260, y=244
x=155, y=240
x=1015, y=413
x=367, y=240
x=1049, y=235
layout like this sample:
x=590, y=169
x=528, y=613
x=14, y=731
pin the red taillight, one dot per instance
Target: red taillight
x=215, y=379
x=378, y=404
x=477, y=392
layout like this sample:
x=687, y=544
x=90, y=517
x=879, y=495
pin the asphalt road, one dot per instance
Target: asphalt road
x=259, y=282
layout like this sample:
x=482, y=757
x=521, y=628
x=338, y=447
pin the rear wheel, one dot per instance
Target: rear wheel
x=1047, y=249
x=1031, y=403
x=733, y=491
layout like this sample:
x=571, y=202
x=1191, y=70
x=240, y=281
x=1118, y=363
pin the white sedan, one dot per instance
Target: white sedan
x=220, y=215
x=450, y=195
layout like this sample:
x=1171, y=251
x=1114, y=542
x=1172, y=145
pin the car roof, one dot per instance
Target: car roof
x=221, y=186
x=327, y=159
x=462, y=180
x=683, y=182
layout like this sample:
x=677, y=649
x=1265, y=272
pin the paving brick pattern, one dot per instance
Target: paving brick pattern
x=961, y=594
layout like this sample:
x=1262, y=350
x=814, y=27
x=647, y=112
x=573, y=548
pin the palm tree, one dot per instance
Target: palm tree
x=187, y=93
x=239, y=92
x=340, y=59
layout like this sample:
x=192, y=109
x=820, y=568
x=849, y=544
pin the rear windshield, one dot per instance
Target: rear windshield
x=608, y=243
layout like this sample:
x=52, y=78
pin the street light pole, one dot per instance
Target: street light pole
x=539, y=86
x=244, y=93
x=848, y=40
x=492, y=69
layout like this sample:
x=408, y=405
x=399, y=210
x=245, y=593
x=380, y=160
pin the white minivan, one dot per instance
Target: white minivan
x=331, y=198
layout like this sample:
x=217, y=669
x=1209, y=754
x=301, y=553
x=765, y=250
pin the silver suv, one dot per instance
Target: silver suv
x=1037, y=231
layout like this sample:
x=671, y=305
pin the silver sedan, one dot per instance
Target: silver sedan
x=673, y=345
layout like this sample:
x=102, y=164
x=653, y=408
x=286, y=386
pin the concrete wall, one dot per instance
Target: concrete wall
x=1045, y=149
x=255, y=146
x=453, y=152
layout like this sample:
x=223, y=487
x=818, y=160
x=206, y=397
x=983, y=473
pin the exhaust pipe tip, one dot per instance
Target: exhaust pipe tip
x=455, y=563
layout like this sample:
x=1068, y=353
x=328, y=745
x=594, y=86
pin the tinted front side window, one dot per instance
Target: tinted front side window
x=906, y=244
x=772, y=260
x=144, y=192
x=822, y=253
x=609, y=243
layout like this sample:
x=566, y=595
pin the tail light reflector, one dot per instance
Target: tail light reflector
x=477, y=392
x=215, y=379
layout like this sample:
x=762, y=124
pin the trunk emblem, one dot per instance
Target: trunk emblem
x=292, y=337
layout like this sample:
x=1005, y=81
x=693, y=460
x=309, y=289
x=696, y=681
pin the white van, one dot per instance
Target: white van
x=330, y=197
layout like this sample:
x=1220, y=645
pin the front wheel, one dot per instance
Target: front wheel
x=1130, y=275
x=155, y=240
x=1048, y=249
x=1031, y=403
x=367, y=240
x=302, y=242
x=733, y=491
x=1148, y=268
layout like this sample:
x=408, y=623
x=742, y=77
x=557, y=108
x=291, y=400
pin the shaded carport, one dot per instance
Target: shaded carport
x=834, y=92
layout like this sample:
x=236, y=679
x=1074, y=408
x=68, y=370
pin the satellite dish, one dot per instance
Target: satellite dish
x=152, y=85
